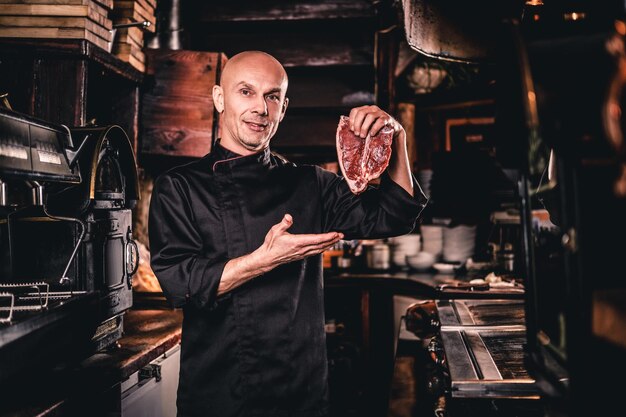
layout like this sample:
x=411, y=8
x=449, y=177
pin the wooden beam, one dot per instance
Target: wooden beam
x=254, y=10
x=386, y=53
x=405, y=114
x=292, y=49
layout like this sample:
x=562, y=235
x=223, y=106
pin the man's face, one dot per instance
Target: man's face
x=252, y=101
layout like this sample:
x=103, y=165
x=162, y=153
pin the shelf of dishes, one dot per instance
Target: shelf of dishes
x=444, y=248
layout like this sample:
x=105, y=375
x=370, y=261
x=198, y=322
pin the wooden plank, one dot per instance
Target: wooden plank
x=52, y=33
x=148, y=6
x=130, y=54
x=148, y=334
x=133, y=10
x=71, y=49
x=125, y=48
x=107, y=4
x=177, y=108
x=130, y=35
x=61, y=91
x=246, y=11
x=56, y=22
x=121, y=17
x=386, y=52
x=128, y=7
x=137, y=61
x=129, y=40
x=405, y=114
x=142, y=7
x=21, y=72
x=93, y=11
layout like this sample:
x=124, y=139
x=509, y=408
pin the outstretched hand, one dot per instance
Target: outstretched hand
x=280, y=246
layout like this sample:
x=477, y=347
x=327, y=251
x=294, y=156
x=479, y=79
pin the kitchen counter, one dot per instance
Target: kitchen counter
x=148, y=333
x=429, y=285
x=375, y=293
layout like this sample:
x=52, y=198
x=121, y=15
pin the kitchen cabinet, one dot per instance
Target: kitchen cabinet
x=120, y=381
x=151, y=391
x=70, y=82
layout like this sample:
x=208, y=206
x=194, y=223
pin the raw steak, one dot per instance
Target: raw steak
x=362, y=160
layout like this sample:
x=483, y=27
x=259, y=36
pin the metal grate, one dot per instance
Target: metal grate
x=507, y=351
x=28, y=297
x=497, y=314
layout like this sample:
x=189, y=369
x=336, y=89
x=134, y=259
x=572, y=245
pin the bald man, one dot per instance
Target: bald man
x=236, y=239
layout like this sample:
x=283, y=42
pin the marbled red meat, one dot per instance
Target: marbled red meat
x=362, y=159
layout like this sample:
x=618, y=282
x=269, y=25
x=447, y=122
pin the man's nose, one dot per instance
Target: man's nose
x=260, y=105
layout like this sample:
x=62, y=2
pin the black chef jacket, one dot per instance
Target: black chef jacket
x=258, y=350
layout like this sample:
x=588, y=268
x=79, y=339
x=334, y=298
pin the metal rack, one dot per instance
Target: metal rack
x=28, y=297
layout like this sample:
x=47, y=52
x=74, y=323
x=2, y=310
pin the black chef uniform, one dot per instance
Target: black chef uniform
x=258, y=350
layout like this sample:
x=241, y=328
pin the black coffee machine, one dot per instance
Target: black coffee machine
x=67, y=256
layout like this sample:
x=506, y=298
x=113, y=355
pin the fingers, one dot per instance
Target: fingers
x=284, y=224
x=323, y=242
x=366, y=120
x=316, y=239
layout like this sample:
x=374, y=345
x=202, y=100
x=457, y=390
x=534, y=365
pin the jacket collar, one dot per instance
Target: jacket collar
x=223, y=158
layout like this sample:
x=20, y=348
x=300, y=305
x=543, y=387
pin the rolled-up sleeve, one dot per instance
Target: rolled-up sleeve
x=381, y=211
x=185, y=274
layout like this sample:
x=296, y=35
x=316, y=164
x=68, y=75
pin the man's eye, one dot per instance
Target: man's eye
x=246, y=92
x=273, y=97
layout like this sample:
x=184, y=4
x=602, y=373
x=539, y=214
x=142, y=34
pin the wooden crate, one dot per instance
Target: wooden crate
x=129, y=11
x=107, y=4
x=177, y=104
x=58, y=19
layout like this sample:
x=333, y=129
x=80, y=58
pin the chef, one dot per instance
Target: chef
x=236, y=239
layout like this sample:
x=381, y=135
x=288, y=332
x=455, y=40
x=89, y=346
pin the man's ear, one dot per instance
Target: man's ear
x=284, y=109
x=218, y=98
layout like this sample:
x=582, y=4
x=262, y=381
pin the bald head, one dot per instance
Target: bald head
x=249, y=60
x=251, y=99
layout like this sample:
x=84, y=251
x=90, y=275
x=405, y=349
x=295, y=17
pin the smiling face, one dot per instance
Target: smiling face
x=251, y=100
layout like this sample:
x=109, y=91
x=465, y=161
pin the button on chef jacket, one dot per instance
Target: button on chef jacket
x=258, y=350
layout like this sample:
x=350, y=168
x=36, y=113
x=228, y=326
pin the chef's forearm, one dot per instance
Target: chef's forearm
x=399, y=167
x=237, y=271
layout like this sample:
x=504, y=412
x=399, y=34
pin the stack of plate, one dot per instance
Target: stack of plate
x=432, y=237
x=403, y=246
x=458, y=243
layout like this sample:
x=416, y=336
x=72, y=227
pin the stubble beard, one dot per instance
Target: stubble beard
x=257, y=142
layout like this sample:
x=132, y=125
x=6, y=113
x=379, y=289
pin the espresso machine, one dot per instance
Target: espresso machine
x=67, y=256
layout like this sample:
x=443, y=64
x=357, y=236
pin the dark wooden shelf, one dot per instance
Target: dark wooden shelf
x=71, y=47
x=70, y=81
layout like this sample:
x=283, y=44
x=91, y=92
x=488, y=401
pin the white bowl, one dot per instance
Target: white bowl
x=446, y=268
x=421, y=261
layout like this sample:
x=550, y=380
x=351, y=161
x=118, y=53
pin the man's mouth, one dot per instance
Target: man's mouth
x=257, y=127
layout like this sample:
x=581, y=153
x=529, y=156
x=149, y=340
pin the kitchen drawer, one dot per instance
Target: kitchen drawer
x=151, y=392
